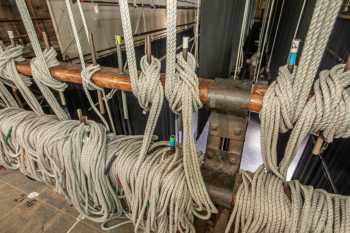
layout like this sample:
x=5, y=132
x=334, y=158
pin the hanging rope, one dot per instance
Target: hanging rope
x=41, y=64
x=146, y=87
x=6, y=97
x=286, y=98
x=88, y=71
x=182, y=93
x=262, y=204
x=11, y=77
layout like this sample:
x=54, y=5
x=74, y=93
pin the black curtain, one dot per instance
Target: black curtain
x=220, y=30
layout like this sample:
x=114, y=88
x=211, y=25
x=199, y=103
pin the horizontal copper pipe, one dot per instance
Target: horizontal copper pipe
x=111, y=78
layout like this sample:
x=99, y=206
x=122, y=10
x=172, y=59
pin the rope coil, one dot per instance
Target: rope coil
x=73, y=157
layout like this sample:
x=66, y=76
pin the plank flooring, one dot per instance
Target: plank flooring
x=47, y=213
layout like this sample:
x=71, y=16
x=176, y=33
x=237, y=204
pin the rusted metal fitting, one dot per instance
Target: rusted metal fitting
x=230, y=96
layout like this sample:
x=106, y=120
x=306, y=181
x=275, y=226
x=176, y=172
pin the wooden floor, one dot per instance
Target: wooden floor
x=48, y=213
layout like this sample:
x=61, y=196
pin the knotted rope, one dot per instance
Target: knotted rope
x=261, y=203
x=146, y=87
x=88, y=71
x=10, y=75
x=182, y=93
x=86, y=76
x=286, y=98
x=41, y=63
x=327, y=111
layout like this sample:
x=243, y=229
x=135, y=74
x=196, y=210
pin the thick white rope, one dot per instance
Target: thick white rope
x=41, y=64
x=327, y=111
x=182, y=92
x=5, y=96
x=88, y=71
x=264, y=206
x=286, y=98
x=96, y=171
x=10, y=76
x=146, y=86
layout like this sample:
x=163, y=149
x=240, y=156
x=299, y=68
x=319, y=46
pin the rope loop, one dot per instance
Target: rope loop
x=331, y=101
x=9, y=54
x=187, y=82
x=148, y=85
x=326, y=111
x=280, y=93
x=86, y=76
x=50, y=56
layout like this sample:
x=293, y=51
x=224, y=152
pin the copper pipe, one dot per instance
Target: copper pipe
x=112, y=78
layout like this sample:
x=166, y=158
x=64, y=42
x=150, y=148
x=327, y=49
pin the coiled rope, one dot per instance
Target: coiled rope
x=96, y=171
x=261, y=203
x=286, y=98
x=182, y=93
x=264, y=206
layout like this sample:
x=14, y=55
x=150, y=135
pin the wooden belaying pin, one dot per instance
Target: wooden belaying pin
x=148, y=49
x=79, y=114
x=126, y=122
x=118, y=42
x=185, y=45
x=12, y=38
x=83, y=119
x=46, y=40
x=92, y=48
x=94, y=61
x=14, y=89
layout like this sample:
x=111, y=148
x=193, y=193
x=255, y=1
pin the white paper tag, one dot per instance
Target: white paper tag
x=33, y=195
